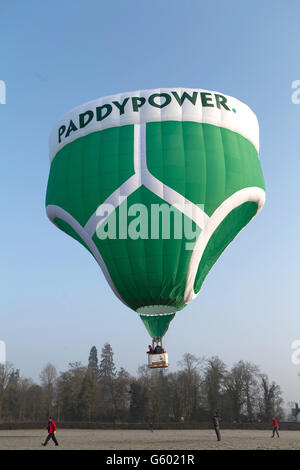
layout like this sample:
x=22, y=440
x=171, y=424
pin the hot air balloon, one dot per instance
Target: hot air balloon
x=156, y=184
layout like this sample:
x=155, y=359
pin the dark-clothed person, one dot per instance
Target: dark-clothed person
x=216, y=423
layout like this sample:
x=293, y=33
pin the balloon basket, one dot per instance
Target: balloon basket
x=158, y=361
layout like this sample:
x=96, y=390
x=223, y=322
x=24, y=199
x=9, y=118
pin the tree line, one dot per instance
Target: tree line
x=98, y=392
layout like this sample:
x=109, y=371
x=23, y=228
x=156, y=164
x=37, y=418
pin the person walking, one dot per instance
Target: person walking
x=51, y=427
x=216, y=423
x=275, y=427
x=150, y=423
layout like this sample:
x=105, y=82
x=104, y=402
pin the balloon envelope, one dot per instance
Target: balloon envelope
x=156, y=184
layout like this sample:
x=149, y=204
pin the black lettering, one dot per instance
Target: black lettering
x=206, y=98
x=107, y=110
x=61, y=131
x=121, y=106
x=82, y=116
x=221, y=101
x=155, y=95
x=71, y=128
x=135, y=100
x=184, y=96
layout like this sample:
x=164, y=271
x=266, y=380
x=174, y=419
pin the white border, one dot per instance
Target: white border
x=243, y=121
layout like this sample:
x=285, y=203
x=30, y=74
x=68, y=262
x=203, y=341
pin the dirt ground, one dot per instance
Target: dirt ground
x=147, y=440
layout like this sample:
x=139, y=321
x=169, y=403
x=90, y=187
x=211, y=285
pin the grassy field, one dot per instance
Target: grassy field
x=147, y=440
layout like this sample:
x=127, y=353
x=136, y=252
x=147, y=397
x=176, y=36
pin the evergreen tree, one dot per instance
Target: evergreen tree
x=93, y=361
x=107, y=376
x=107, y=367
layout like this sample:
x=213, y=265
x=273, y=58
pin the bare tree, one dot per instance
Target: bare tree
x=251, y=386
x=240, y=385
x=48, y=381
x=214, y=375
x=190, y=384
x=270, y=400
x=122, y=396
x=69, y=388
x=6, y=370
x=87, y=395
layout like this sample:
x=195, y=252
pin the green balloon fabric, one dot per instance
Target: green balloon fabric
x=156, y=184
x=157, y=325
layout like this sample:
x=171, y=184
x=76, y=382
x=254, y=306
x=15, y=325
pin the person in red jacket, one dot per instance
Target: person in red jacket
x=275, y=427
x=51, y=432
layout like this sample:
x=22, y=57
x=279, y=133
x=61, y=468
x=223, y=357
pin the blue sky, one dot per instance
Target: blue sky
x=54, y=55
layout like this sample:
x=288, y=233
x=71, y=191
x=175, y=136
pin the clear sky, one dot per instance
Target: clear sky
x=54, y=55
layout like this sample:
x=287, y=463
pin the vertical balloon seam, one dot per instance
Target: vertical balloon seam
x=137, y=152
x=160, y=189
x=126, y=251
x=185, y=177
x=144, y=143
